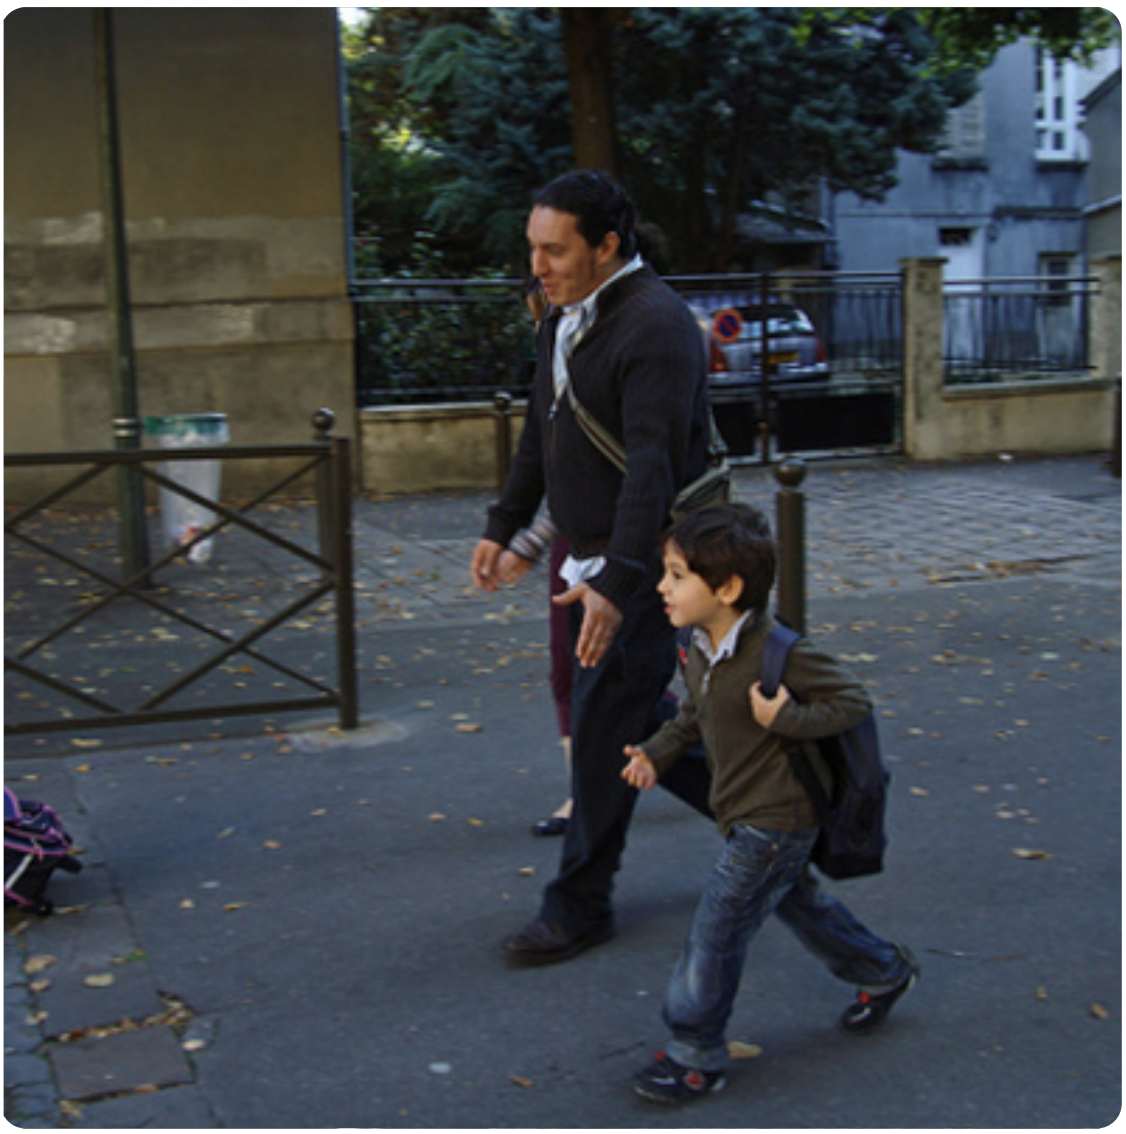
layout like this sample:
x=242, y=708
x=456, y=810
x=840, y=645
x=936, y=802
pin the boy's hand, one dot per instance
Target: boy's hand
x=766, y=708
x=639, y=772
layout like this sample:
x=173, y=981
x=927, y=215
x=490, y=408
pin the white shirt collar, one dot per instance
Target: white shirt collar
x=589, y=306
x=726, y=648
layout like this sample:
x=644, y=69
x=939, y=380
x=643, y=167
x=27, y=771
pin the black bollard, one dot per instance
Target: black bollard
x=790, y=472
x=502, y=403
x=323, y=421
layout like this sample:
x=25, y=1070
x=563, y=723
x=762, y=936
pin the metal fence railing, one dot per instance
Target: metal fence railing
x=423, y=341
x=92, y=640
x=1021, y=327
x=857, y=315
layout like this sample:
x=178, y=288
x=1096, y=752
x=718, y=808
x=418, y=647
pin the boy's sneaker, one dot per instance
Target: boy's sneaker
x=870, y=1009
x=666, y=1081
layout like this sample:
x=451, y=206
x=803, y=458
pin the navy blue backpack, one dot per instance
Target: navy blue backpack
x=852, y=839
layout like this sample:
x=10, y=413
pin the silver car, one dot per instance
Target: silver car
x=796, y=351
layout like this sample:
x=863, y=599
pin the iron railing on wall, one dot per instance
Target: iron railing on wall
x=857, y=315
x=267, y=626
x=1019, y=327
x=422, y=341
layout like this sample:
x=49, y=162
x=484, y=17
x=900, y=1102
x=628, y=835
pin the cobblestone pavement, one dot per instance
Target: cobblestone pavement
x=882, y=525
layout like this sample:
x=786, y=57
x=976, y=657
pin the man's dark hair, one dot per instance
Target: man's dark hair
x=599, y=204
x=725, y=540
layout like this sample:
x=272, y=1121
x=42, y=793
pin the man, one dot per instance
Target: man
x=631, y=350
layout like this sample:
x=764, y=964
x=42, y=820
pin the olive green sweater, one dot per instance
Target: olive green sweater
x=752, y=781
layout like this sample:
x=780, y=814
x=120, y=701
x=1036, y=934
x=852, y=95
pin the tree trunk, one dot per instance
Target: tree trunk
x=587, y=43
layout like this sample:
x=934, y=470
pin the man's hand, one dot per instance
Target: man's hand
x=511, y=568
x=639, y=772
x=484, y=565
x=601, y=619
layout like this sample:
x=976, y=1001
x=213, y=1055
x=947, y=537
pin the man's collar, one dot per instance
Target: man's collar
x=590, y=304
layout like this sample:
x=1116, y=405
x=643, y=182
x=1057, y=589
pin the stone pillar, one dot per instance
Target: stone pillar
x=1105, y=329
x=922, y=357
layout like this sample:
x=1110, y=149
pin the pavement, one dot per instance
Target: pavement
x=281, y=924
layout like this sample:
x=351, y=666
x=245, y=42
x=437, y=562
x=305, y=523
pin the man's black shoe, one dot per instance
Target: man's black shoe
x=542, y=943
x=869, y=1010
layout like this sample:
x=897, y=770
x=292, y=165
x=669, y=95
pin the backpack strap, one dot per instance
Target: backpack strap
x=779, y=642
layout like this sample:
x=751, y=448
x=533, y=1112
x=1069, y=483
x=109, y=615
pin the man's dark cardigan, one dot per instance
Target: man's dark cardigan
x=640, y=371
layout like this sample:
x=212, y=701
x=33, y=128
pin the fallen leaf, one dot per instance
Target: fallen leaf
x=738, y=1050
x=85, y=742
x=230, y=907
x=193, y=1045
x=919, y=791
x=1099, y=1012
x=38, y=963
x=521, y=1082
x=99, y=980
x=470, y=727
x=526, y=871
x=1024, y=852
x=271, y=844
x=476, y=822
x=39, y=985
x=436, y=817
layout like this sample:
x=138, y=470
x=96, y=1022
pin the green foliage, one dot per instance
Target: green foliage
x=464, y=113
x=973, y=36
x=731, y=109
x=442, y=341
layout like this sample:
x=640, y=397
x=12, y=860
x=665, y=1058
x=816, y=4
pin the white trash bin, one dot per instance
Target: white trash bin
x=182, y=519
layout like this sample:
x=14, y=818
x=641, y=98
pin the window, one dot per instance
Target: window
x=1058, y=136
x=955, y=237
x=964, y=136
x=1055, y=267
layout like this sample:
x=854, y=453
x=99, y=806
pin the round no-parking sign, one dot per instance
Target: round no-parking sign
x=727, y=325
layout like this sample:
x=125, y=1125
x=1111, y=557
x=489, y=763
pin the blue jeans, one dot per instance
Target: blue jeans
x=759, y=873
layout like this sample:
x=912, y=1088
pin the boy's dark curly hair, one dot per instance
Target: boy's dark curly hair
x=724, y=540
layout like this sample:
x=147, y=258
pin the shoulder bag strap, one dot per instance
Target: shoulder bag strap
x=614, y=451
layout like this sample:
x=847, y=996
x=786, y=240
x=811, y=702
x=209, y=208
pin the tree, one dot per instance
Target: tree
x=974, y=35
x=588, y=45
x=711, y=111
x=730, y=110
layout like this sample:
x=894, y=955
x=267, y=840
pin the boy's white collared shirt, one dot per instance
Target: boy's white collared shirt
x=726, y=648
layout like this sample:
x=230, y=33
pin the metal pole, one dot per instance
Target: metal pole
x=341, y=505
x=133, y=536
x=790, y=472
x=323, y=421
x=765, y=370
x=502, y=403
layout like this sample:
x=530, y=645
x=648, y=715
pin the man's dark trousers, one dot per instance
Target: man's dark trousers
x=614, y=704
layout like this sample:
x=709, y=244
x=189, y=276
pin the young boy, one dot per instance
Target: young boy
x=719, y=571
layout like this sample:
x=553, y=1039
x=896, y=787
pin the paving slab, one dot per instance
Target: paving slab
x=141, y=1060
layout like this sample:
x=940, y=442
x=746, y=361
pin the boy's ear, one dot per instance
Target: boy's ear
x=728, y=593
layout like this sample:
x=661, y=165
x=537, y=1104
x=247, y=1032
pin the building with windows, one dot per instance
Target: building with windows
x=1006, y=195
